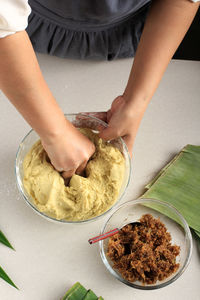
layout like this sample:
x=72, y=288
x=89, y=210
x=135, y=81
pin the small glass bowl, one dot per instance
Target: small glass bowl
x=80, y=121
x=132, y=211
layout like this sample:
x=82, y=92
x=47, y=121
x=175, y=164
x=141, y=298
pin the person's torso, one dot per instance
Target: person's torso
x=93, y=12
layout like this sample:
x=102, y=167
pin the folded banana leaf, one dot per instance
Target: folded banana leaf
x=178, y=183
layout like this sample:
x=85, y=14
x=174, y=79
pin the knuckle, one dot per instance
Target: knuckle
x=71, y=173
x=88, y=153
x=64, y=165
x=85, y=158
x=69, y=166
x=117, y=131
x=68, y=174
x=58, y=168
x=56, y=165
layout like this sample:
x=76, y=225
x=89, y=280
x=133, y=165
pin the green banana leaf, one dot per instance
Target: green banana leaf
x=178, y=183
x=5, y=277
x=4, y=240
x=3, y=274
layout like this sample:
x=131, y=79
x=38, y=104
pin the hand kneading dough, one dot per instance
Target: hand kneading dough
x=84, y=198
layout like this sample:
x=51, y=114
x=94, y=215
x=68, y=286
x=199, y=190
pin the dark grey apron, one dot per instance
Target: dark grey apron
x=87, y=29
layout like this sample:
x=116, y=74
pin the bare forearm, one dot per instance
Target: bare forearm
x=22, y=82
x=165, y=27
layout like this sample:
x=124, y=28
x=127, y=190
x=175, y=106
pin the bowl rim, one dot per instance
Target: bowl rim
x=20, y=184
x=188, y=240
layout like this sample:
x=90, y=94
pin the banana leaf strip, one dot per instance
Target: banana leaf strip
x=5, y=277
x=4, y=240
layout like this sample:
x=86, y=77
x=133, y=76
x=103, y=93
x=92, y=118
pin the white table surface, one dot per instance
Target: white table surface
x=50, y=258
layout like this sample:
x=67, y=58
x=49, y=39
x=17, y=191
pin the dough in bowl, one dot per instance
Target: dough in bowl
x=84, y=197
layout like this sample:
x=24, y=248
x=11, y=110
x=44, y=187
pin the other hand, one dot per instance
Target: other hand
x=123, y=120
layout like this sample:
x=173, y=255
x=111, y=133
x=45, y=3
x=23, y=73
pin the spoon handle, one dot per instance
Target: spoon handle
x=103, y=236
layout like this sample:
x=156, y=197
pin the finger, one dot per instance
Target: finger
x=109, y=115
x=109, y=134
x=56, y=167
x=68, y=173
x=83, y=120
x=60, y=170
x=81, y=168
x=102, y=115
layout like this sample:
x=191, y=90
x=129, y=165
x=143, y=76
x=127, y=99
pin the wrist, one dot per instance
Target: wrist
x=52, y=132
x=133, y=96
x=136, y=103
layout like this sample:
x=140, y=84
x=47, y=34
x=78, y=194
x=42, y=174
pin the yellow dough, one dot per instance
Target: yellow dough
x=85, y=197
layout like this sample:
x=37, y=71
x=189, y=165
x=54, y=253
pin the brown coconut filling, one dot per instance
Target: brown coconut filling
x=144, y=252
